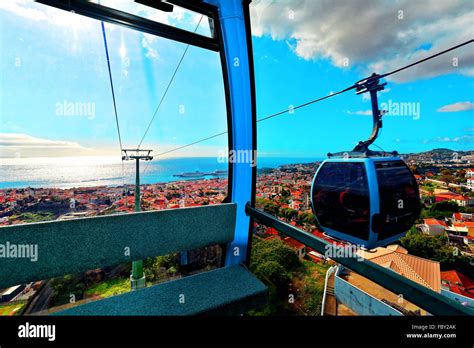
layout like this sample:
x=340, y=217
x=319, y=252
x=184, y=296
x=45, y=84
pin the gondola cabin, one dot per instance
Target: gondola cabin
x=366, y=201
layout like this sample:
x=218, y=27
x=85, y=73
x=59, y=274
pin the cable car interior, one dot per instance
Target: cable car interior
x=361, y=196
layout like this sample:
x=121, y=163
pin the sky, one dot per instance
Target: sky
x=56, y=98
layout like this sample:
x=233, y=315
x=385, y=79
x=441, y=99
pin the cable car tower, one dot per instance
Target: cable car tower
x=137, y=278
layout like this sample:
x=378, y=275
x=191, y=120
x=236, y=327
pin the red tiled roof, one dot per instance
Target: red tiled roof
x=273, y=237
x=455, y=276
x=314, y=258
x=294, y=244
x=271, y=231
x=451, y=276
x=398, y=248
x=451, y=195
x=459, y=283
x=422, y=271
x=432, y=222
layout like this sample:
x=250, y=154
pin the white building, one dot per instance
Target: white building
x=433, y=227
x=470, y=183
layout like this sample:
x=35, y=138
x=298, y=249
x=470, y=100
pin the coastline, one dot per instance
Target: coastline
x=76, y=175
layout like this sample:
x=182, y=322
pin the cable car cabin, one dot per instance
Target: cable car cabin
x=367, y=201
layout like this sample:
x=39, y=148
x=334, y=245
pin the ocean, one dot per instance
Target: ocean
x=67, y=172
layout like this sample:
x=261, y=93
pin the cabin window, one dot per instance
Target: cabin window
x=59, y=143
x=59, y=138
x=398, y=192
x=341, y=198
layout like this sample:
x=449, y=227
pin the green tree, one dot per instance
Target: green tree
x=288, y=213
x=271, y=208
x=440, y=210
x=64, y=286
x=272, y=273
x=447, y=179
x=273, y=263
x=437, y=249
x=306, y=218
x=428, y=247
x=273, y=250
x=446, y=171
x=154, y=267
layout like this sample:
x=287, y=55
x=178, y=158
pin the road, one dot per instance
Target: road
x=40, y=302
x=450, y=185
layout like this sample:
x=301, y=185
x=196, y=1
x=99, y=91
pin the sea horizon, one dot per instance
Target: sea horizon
x=70, y=172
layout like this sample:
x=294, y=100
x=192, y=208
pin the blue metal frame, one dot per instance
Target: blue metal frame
x=369, y=165
x=234, y=33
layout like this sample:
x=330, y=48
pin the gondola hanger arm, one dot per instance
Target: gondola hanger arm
x=371, y=85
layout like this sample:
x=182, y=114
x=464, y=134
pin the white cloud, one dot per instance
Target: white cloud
x=460, y=106
x=24, y=145
x=147, y=42
x=39, y=12
x=19, y=145
x=24, y=140
x=372, y=35
x=18, y=7
x=459, y=139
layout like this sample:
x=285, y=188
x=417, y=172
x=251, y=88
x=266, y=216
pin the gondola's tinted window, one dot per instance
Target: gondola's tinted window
x=341, y=198
x=399, y=198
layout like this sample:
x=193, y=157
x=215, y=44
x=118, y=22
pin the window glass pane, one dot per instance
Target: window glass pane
x=341, y=198
x=399, y=203
x=58, y=124
x=59, y=147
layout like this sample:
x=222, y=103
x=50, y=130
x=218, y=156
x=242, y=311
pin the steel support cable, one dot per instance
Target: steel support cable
x=354, y=86
x=113, y=99
x=165, y=93
x=168, y=87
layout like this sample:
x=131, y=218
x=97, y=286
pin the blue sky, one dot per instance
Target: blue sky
x=332, y=125
x=51, y=58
